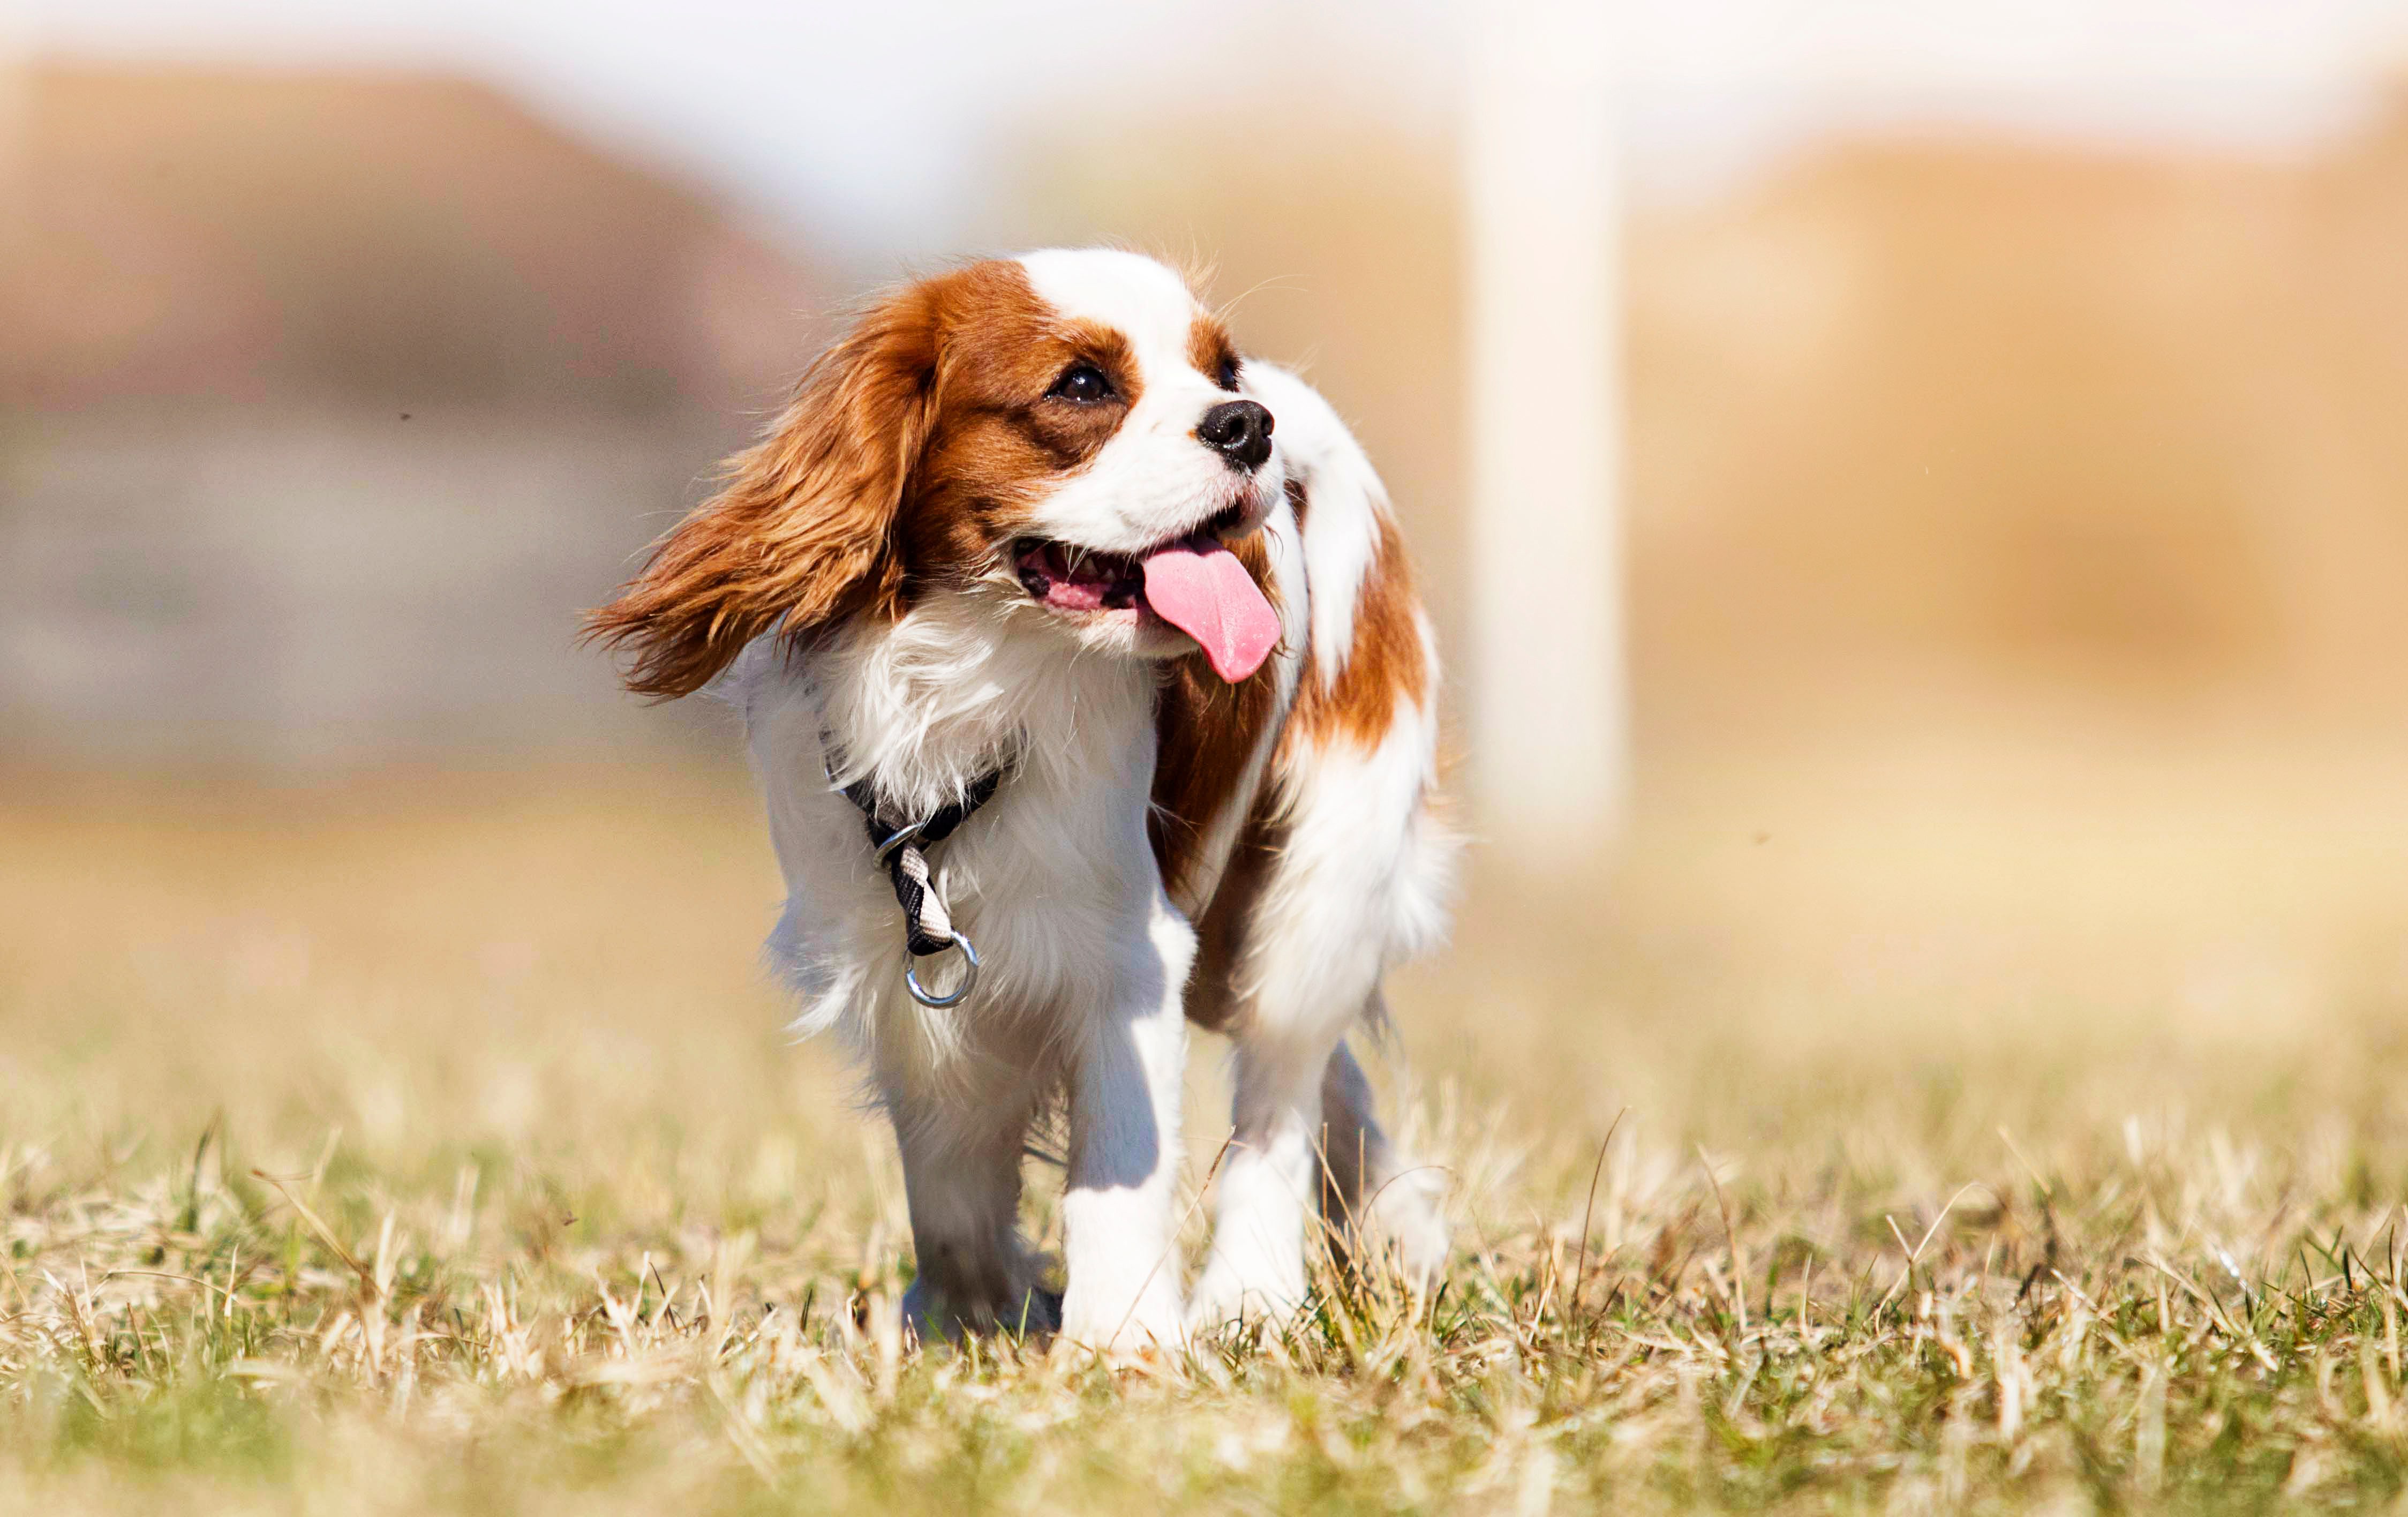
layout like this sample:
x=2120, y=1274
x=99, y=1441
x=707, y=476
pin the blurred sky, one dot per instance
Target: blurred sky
x=870, y=122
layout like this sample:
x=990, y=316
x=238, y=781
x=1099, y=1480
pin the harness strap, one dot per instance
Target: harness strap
x=902, y=847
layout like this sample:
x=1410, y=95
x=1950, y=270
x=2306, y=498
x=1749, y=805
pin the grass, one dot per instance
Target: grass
x=1937, y=1137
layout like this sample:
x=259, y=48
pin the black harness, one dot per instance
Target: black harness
x=901, y=846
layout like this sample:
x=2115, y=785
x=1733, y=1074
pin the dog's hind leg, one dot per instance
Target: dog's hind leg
x=1267, y=1182
x=1351, y=869
x=1378, y=1203
x=1307, y=1149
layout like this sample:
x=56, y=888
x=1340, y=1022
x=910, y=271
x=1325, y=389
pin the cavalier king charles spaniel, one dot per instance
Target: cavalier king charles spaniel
x=1083, y=670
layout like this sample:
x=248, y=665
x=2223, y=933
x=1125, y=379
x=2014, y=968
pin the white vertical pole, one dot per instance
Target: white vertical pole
x=1551, y=727
x=16, y=82
x=16, y=109
x=16, y=106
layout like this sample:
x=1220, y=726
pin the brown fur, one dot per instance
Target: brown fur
x=804, y=528
x=997, y=438
x=1209, y=347
x=1298, y=498
x=1386, y=664
x=1213, y=1003
x=907, y=454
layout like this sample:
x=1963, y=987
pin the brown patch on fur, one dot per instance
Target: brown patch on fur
x=1205, y=730
x=1385, y=663
x=1209, y=348
x=910, y=448
x=999, y=436
x=1298, y=498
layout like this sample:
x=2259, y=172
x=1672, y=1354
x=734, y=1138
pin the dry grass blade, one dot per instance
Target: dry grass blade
x=1588, y=1210
x=370, y=1286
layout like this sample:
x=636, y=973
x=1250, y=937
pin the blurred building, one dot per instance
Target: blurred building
x=1949, y=415
x=326, y=402
x=1925, y=430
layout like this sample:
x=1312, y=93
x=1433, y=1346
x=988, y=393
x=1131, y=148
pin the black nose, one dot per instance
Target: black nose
x=1239, y=431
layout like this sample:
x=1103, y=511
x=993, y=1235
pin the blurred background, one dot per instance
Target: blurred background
x=2004, y=406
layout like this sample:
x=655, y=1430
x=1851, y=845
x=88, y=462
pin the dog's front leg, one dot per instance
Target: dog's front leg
x=1118, y=1233
x=961, y=1133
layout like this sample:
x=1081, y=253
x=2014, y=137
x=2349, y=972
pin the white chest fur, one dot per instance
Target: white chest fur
x=1048, y=877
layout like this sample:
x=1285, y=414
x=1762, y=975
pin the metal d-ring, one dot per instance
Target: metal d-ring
x=969, y=976
x=902, y=837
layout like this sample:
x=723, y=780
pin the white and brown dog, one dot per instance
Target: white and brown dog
x=1035, y=556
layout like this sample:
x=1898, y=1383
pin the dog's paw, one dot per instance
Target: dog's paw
x=1404, y=1227
x=1228, y=1295
x=934, y=1318
x=1150, y=1328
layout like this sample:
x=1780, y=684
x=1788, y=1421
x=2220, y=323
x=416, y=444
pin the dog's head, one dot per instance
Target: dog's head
x=1063, y=437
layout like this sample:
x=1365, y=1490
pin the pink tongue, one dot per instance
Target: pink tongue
x=1201, y=588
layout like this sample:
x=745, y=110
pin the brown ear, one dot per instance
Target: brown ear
x=806, y=527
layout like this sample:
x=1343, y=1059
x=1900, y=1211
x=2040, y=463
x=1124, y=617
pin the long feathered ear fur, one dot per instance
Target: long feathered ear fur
x=806, y=527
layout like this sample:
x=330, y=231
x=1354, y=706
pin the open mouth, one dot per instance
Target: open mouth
x=1062, y=578
x=1193, y=583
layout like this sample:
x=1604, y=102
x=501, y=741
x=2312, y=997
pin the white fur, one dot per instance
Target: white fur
x=1086, y=958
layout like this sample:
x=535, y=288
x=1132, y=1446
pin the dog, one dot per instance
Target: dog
x=1083, y=672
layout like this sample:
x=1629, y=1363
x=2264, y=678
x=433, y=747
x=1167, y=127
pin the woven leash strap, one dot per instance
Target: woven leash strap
x=902, y=846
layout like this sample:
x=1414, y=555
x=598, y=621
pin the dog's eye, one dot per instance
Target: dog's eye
x=1226, y=376
x=1083, y=383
